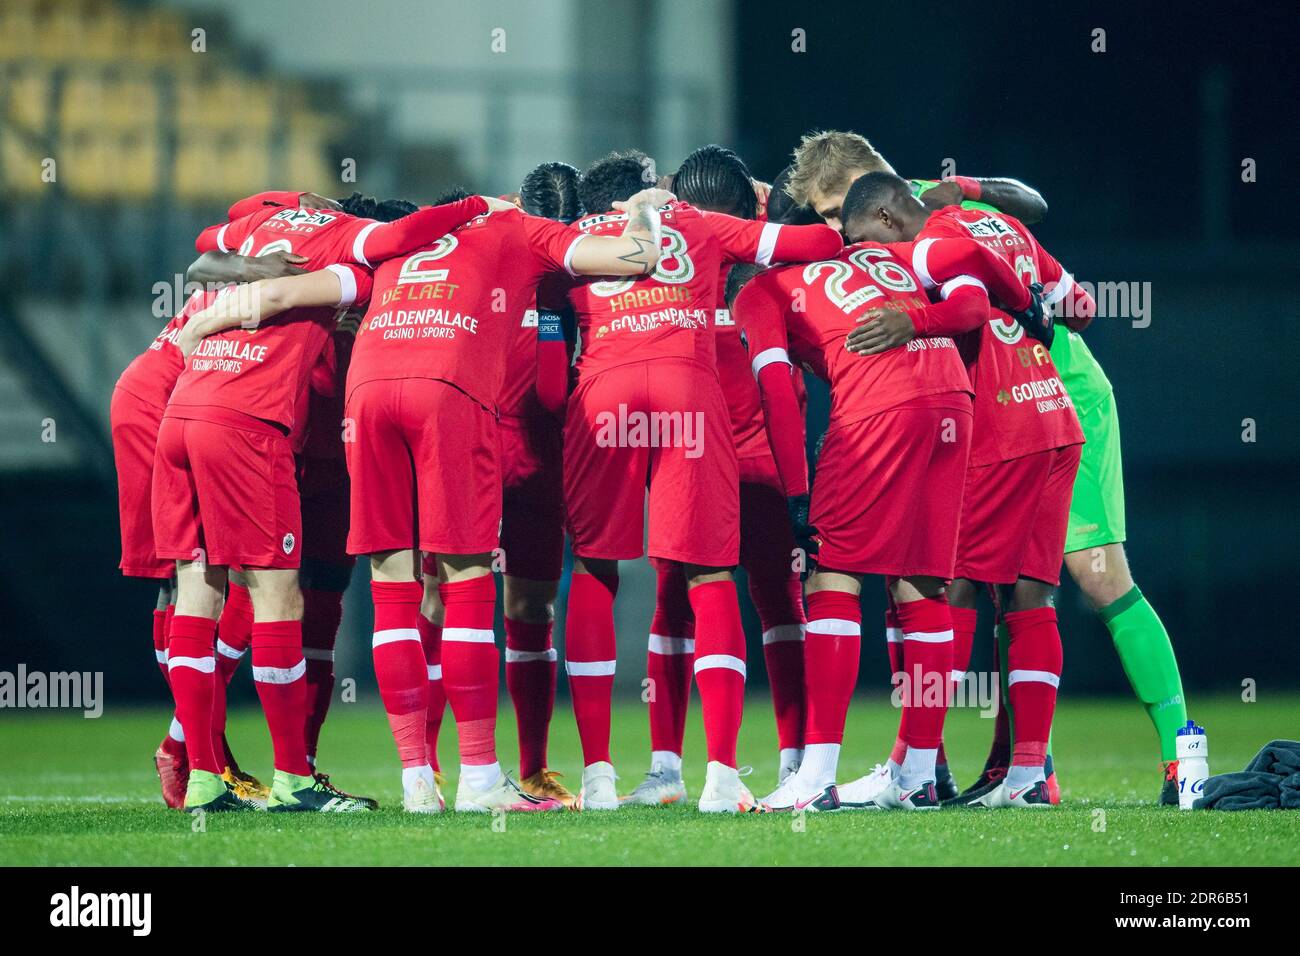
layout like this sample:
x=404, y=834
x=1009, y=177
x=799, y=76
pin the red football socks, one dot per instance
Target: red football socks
x=779, y=600
x=192, y=668
x=589, y=659
x=400, y=670
x=832, y=650
x=322, y=612
x=530, y=680
x=279, y=673
x=470, y=663
x=1033, y=674
x=431, y=638
x=927, y=665
x=719, y=666
x=670, y=659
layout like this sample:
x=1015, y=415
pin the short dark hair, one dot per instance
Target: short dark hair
x=871, y=190
x=391, y=209
x=452, y=194
x=550, y=190
x=781, y=208
x=368, y=207
x=615, y=178
x=715, y=178
x=737, y=276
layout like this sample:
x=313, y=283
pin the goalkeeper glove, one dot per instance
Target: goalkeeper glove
x=1037, y=320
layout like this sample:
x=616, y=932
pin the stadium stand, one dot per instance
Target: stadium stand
x=137, y=131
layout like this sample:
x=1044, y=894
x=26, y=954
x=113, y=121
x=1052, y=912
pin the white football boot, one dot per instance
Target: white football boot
x=794, y=794
x=866, y=792
x=724, y=793
x=1033, y=796
x=420, y=794
x=660, y=787
x=898, y=797
x=598, y=791
x=504, y=796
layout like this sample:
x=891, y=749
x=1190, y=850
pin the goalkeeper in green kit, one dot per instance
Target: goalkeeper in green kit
x=825, y=166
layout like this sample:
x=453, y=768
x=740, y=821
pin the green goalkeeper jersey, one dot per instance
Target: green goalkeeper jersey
x=1080, y=372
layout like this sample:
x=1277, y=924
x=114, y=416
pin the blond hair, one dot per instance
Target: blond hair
x=823, y=161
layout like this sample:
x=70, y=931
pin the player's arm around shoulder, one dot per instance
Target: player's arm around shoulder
x=636, y=251
x=769, y=243
x=248, y=305
x=227, y=267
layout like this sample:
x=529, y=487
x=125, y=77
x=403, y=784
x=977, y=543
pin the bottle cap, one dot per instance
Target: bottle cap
x=1190, y=730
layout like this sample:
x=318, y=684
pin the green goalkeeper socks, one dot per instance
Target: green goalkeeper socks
x=1148, y=659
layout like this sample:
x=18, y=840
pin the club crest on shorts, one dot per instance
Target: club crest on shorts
x=288, y=543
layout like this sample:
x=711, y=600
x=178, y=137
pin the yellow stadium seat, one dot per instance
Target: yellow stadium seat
x=20, y=166
x=83, y=102
x=141, y=165
x=159, y=37
x=131, y=103
x=86, y=166
x=17, y=29
x=248, y=164
x=29, y=97
x=198, y=174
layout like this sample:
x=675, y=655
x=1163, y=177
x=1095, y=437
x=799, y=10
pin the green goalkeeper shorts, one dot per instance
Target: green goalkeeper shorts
x=1097, y=504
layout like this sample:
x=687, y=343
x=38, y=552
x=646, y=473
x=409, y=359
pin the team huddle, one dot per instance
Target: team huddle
x=617, y=358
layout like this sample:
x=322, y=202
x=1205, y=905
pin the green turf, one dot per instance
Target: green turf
x=77, y=791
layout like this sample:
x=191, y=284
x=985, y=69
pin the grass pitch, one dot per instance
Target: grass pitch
x=82, y=792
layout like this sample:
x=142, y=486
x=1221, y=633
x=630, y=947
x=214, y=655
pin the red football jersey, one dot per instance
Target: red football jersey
x=540, y=352
x=152, y=374
x=670, y=313
x=454, y=309
x=262, y=372
x=744, y=403
x=804, y=314
x=1021, y=405
x=739, y=388
x=324, y=416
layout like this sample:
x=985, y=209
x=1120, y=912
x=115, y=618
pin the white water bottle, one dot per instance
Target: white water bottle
x=1193, y=764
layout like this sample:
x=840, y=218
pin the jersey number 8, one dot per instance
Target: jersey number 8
x=674, y=250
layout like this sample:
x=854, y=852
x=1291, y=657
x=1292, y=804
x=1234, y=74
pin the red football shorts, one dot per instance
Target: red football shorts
x=766, y=538
x=532, y=501
x=424, y=467
x=226, y=493
x=661, y=424
x=326, y=497
x=134, y=426
x=1015, y=516
x=887, y=493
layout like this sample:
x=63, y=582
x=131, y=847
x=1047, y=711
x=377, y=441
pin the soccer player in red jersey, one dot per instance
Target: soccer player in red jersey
x=326, y=569
x=715, y=179
x=531, y=555
x=532, y=503
x=826, y=164
x=223, y=483
x=648, y=410
x=888, y=487
x=426, y=376
x=135, y=413
x=1022, y=465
